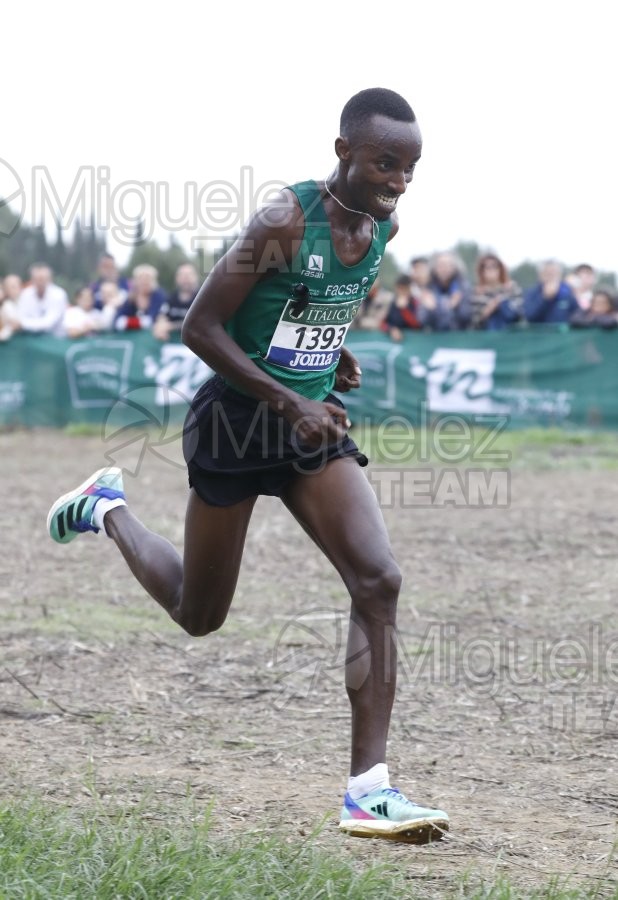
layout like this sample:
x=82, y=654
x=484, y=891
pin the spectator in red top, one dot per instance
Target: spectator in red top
x=142, y=306
x=405, y=311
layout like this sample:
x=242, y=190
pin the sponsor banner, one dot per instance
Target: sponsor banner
x=132, y=380
x=531, y=377
x=97, y=370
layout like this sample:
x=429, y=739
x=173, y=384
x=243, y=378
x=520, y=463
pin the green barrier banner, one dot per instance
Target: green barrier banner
x=532, y=377
x=116, y=381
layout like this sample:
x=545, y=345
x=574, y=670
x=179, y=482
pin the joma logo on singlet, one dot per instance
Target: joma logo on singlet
x=315, y=266
x=311, y=360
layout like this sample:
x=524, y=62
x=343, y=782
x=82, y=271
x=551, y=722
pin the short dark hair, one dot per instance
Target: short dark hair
x=419, y=259
x=403, y=281
x=606, y=292
x=583, y=267
x=374, y=102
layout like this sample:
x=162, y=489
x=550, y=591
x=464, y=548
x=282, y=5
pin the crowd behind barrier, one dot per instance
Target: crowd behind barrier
x=435, y=295
x=433, y=340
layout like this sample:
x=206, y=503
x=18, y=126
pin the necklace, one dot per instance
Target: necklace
x=375, y=227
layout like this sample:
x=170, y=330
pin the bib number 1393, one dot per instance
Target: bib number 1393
x=316, y=338
x=311, y=341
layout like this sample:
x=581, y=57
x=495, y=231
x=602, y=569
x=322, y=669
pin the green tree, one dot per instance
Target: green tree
x=59, y=252
x=165, y=261
x=78, y=270
x=607, y=279
x=389, y=271
x=469, y=252
x=525, y=274
x=42, y=251
x=9, y=227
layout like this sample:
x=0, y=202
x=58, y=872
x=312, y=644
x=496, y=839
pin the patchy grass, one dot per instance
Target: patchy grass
x=49, y=854
x=54, y=852
x=453, y=442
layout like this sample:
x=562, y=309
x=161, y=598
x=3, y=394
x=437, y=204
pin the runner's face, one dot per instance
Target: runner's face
x=380, y=164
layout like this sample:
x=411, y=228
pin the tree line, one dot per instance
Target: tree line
x=74, y=258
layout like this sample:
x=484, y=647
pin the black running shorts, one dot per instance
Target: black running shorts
x=236, y=447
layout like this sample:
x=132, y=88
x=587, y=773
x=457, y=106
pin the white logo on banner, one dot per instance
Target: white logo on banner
x=459, y=380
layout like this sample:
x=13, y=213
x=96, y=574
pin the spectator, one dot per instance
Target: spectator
x=41, y=305
x=374, y=308
x=10, y=289
x=174, y=309
x=107, y=271
x=446, y=302
x=420, y=274
x=551, y=300
x=83, y=318
x=601, y=313
x=111, y=297
x=582, y=281
x=142, y=306
x=496, y=299
x=405, y=310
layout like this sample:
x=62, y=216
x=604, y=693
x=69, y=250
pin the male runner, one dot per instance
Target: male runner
x=271, y=319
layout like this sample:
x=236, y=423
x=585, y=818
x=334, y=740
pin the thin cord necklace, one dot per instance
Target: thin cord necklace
x=375, y=227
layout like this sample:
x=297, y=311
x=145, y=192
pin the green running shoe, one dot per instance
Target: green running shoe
x=386, y=813
x=71, y=514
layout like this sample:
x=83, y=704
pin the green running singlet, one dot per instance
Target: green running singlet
x=299, y=343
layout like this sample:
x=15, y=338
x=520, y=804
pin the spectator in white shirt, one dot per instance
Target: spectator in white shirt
x=83, y=319
x=13, y=287
x=582, y=281
x=111, y=298
x=41, y=305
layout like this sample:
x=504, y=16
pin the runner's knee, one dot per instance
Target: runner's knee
x=375, y=592
x=202, y=618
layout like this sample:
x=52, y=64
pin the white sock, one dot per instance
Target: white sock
x=372, y=780
x=102, y=507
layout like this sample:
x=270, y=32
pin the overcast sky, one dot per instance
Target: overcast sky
x=516, y=103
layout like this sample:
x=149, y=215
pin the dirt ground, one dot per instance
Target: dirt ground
x=506, y=712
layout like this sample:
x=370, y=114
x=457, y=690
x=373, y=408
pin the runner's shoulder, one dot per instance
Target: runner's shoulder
x=281, y=217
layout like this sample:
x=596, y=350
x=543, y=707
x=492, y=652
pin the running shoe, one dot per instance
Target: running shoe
x=386, y=813
x=71, y=514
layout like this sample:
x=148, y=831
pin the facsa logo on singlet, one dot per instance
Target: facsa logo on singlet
x=342, y=290
x=315, y=266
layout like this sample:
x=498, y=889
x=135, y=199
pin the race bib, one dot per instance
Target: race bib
x=310, y=340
